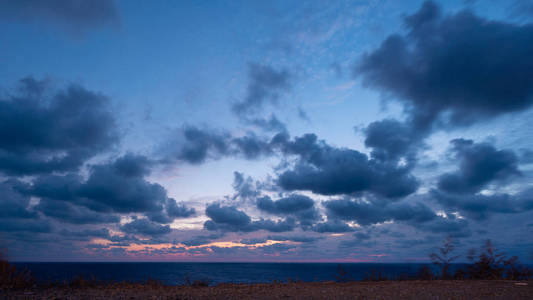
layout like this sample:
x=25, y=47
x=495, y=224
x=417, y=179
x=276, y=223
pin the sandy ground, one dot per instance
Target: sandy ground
x=507, y=290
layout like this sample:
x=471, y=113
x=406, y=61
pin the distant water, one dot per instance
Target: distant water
x=175, y=273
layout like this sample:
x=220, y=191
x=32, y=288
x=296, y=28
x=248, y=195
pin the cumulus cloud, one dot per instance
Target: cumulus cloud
x=70, y=213
x=145, y=227
x=40, y=134
x=480, y=207
x=366, y=212
x=298, y=206
x=328, y=170
x=332, y=226
x=118, y=186
x=391, y=140
x=479, y=164
x=77, y=16
x=16, y=215
x=229, y=218
x=196, y=145
x=452, y=68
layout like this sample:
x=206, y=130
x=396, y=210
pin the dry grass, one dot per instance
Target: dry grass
x=11, y=278
x=436, y=289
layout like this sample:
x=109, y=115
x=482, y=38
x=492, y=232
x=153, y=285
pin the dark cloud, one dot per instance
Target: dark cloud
x=480, y=207
x=37, y=225
x=118, y=186
x=369, y=212
x=201, y=143
x=179, y=210
x=299, y=239
x=195, y=145
x=449, y=226
x=229, y=218
x=265, y=85
x=453, y=68
x=479, y=164
x=201, y=239
x=70, y=213
x=41, y=134
x=76, y=16
x=332, y=226
x=251, y=147
x=227, y=215
x=145, y=227
x=245, y=188
x=132, y=165
x=85, y=234
x=13, y=204
x=109, y=189
x=16, y=215
x=253, y=241
x=328, y=170
x=299, y=206
x=391, y=140
x=291, y=204
x=287, y=224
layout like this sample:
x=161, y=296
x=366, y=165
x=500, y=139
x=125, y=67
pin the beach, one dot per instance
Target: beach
x=437, y=289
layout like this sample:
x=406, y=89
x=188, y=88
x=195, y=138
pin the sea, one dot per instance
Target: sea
x=178, y=273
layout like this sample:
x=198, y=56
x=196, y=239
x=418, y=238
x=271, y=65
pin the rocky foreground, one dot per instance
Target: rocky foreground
x=316, y=290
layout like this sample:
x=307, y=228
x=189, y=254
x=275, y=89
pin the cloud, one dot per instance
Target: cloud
x=244, y=187
x=201, y=239
x=179, y=210
x=195, y=145
x=452, y=70
x=229, y=218
x=117, y=186
x=37, y=225
x=332, y=226
x=391, y=140
x=291, y=204
x=12, y=203
x=272, y=124
x=372, y=212
x=328, y=170
x=227, y=215
x=480, y=207
x=479, y=164
x=41, y=134
x=76, y=16
x=70, y=213
x=85, y=234
x=16, y=215
x=299, y=239
x=265, y=85
x=299, y=206
x=145, y=227
x=253, y=241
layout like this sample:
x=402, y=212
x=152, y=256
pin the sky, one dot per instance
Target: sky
x=268, y=131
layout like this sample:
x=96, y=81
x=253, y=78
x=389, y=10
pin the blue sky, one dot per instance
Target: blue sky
x=255, y=131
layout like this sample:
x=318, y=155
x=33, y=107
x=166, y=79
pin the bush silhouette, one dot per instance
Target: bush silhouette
x=444, y=258
x=11, y=278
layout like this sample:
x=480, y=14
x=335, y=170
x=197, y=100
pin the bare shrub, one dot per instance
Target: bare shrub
x=443, y=259
x=11, y=278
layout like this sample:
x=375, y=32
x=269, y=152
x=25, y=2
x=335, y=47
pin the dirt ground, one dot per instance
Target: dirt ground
x=466, y=290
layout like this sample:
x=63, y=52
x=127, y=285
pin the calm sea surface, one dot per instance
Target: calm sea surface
x=176, y=273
